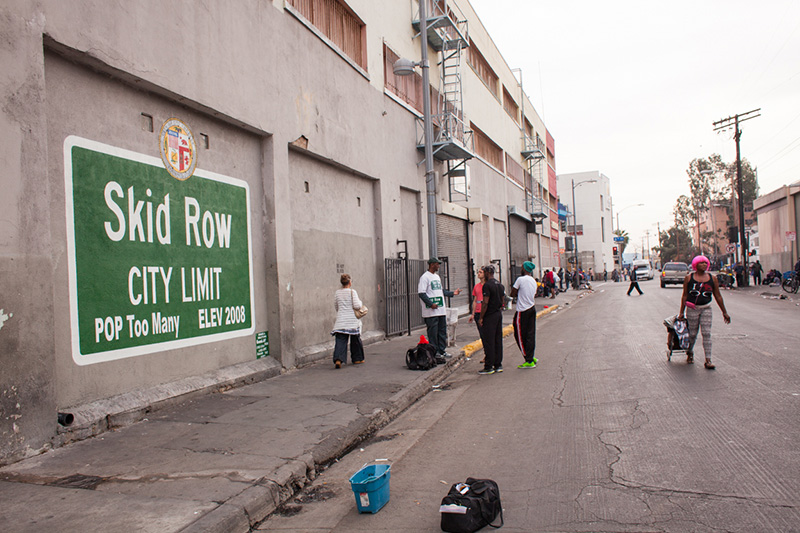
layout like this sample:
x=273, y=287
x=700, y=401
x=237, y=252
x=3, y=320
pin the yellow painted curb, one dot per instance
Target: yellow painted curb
x=474, y=346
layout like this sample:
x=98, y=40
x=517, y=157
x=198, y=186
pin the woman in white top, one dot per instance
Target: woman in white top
x=347, y=326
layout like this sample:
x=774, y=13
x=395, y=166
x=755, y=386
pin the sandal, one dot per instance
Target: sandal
x=709, y=365
x=689, y=358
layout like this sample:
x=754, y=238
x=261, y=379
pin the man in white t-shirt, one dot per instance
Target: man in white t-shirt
x=524, y=291
x=434, y=311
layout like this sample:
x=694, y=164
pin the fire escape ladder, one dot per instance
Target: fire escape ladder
x=447, y=32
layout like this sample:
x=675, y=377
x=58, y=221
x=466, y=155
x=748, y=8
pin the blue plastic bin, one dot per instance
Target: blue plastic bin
x=371, y=487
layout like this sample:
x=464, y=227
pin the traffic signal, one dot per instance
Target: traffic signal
x=616, y=250
x=733, y=234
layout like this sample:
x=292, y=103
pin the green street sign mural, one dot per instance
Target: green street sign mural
x=155, y=263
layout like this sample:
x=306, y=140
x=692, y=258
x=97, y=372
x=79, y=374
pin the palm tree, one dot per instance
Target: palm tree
x=624, y=243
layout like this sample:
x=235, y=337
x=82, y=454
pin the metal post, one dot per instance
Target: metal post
x=740, y=194
x=428, y=126
x=575, y=226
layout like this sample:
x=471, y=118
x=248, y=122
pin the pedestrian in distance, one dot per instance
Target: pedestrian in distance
x=524, y=290
x=347, y=327
x=491, y=322
x=434, y=312
x=738, y=270
x=634, y=283
x=605, y=274
x=698, y=288
x=561, y=278
x=757, y=270
x=556, y=284
x=477, y=298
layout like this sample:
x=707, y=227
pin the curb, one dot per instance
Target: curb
x=254, y=504
x=474, y=346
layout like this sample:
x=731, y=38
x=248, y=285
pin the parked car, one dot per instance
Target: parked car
x=673, y=273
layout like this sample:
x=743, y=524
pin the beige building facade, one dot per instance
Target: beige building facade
x=185, y=183
x=778, y=215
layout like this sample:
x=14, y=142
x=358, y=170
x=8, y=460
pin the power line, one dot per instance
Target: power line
x=775, y=157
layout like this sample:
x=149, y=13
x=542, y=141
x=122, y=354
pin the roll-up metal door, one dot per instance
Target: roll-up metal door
x=451, y=233
x=518, y=241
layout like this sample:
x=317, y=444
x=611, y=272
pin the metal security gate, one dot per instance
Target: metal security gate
x=403, y=310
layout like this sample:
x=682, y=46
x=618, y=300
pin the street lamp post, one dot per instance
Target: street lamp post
x=405, y=67
x=619, y=231
x=575, y=218
x=623, y=209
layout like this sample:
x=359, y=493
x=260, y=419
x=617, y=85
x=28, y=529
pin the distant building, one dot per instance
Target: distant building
x=592, y=219
x=778, y=220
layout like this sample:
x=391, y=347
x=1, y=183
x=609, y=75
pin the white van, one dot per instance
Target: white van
x=643, y=269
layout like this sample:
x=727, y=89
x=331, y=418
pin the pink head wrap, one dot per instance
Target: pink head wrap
x=700, y=259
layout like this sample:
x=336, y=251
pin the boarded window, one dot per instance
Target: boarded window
x=482, y=68
x=514, y=170
x=528, y=128
x=510, y=105
x=486, y=148
x=339, y=24
x=407, y=88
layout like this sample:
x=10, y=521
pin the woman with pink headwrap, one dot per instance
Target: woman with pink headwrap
x=698, y=288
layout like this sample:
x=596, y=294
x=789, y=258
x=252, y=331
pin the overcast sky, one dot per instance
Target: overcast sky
x=631, y=88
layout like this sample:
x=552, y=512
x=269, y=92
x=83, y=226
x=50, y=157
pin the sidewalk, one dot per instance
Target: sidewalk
x=225, y=461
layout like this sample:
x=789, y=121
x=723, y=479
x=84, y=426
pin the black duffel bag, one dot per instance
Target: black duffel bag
x=421, y=357
x=471, y=505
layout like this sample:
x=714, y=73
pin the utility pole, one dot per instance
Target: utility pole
x=722, y=124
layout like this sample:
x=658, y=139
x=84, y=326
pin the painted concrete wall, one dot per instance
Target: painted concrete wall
x=330, y=160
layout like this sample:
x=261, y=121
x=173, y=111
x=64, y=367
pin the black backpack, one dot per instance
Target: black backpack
x=471, y=506
x=421, y=357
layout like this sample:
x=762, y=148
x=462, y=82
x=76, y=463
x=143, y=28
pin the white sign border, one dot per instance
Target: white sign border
x=121, y=353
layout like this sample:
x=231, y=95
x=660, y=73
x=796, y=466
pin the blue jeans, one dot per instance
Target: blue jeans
x=356, y=348
x=437, y=332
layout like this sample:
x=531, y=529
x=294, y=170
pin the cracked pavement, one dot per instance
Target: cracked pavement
x=604, y=434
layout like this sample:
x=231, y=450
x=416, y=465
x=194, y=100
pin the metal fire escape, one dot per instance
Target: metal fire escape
x=533, y=153
x=447, y=34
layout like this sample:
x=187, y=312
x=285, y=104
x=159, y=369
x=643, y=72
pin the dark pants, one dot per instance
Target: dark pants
x=437, y=332
x=634, y=285
x=757, y=278
x=525, y=332
x=356, y=348
x=492, y=339
x=477, y=317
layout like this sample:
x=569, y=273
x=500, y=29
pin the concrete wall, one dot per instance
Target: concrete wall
x=329, y=157
x=778, y=213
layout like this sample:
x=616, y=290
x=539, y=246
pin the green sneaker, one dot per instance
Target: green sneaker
x=535, y=361
x=532, y=364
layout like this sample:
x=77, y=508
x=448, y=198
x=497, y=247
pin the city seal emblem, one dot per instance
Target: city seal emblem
x=178, y=149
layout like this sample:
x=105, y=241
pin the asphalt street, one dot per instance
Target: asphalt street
x=604, y=434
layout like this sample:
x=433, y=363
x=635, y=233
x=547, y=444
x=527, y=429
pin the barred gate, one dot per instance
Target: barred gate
x=401, y=279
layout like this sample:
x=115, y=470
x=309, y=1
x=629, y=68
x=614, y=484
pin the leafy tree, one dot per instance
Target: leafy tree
x=711, y=180
x=683, y=211
x=675, y=245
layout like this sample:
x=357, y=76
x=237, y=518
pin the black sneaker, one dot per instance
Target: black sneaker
x=486, y=371
x=498, y=369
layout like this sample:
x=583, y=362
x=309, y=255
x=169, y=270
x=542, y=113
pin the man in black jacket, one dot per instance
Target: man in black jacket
x=634, y=283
